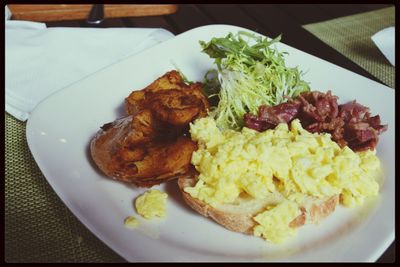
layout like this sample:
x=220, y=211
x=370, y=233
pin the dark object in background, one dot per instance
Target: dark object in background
x=96, y=15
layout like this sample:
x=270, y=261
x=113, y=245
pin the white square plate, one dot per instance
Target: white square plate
x=61, y=127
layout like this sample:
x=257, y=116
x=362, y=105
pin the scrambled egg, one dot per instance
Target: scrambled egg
x=274, y=223
x=131, y=222
x=151, y=204
x=294, y=162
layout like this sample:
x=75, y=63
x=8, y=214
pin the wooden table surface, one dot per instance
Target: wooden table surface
x=69, y=12
x=270, y=20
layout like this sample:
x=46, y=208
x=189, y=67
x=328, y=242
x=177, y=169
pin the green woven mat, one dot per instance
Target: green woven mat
x=351, y=36
x=38, y=226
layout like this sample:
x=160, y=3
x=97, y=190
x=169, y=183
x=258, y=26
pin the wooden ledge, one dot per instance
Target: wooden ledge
x=78, y=12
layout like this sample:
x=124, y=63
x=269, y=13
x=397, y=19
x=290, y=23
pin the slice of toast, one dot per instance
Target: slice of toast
x=238, y=216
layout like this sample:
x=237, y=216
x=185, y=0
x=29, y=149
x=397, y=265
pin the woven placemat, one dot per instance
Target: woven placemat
x=351, y=36
x=38, y=226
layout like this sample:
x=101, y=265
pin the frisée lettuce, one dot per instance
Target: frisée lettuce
x=249, y=73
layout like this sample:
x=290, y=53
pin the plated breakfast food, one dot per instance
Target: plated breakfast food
x=253, y=147
x=149, y=145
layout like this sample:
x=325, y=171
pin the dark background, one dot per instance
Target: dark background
x=270, y=20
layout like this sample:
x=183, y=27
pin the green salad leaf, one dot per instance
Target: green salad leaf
x=250, y=73
x=184, y=78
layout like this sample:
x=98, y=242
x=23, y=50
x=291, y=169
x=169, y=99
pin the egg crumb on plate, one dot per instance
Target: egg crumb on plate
x=151, y=204
x=131, y=222
x=294, y=162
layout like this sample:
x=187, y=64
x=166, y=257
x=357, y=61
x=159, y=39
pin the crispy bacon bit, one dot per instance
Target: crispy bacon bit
x=269, y=117
x=319, y=106
x=349, y=124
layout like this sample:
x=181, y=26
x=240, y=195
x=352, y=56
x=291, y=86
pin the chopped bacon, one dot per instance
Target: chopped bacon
x=319, y=105
x=353, y=111
x=349, y=124
x=270, y=117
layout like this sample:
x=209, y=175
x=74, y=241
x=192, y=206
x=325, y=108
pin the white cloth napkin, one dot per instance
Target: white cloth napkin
x=384, y=40
x=41, y=60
